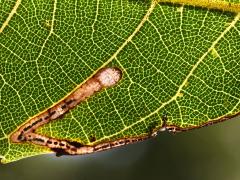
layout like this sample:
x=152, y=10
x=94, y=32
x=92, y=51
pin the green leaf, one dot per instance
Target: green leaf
x=180, y=69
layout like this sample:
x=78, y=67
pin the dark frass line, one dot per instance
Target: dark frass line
x=104, y=78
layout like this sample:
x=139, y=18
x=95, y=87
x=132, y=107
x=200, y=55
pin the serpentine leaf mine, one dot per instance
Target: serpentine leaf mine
x=104, y=78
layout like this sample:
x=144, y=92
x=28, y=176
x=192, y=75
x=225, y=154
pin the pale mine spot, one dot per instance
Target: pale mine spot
x=110, y=76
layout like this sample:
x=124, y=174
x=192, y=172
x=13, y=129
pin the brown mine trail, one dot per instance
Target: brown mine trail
x=104, y=78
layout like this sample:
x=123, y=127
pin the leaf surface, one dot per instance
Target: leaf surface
x=180, y=68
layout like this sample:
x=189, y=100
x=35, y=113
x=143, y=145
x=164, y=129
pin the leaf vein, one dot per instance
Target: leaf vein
x=11, y=14
x=231, y=25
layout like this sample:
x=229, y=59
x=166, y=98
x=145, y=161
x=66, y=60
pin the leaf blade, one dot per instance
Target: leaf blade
x=155, y=61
